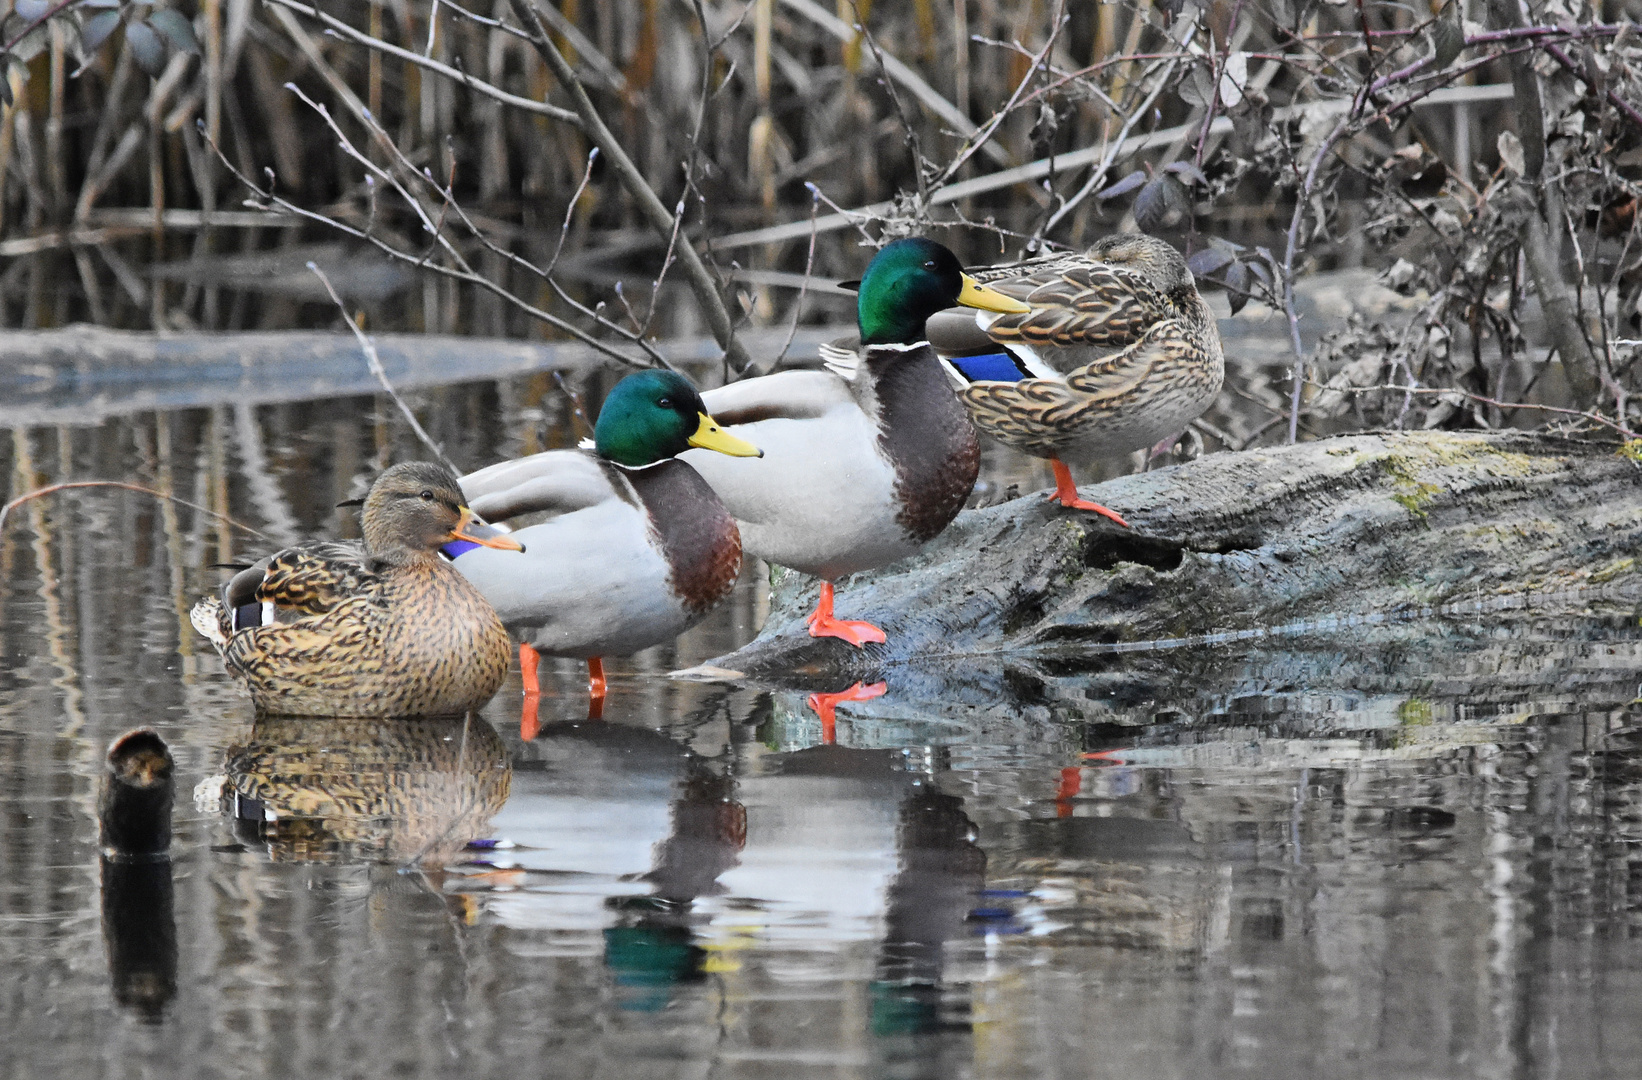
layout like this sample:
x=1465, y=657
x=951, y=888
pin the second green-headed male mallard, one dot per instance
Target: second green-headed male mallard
x=864, y=462
x=639, y=548
x=1115, y=351
x=383, y=627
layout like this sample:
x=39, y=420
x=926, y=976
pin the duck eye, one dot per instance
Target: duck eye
x=930, y=265
x=428, y=495
x=666, y=403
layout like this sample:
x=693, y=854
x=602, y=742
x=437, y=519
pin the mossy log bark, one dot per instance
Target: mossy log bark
x=1356, y=531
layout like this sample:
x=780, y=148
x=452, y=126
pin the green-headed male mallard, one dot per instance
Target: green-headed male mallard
x=639, y=549
x=865, y=462
x=1115, y=351
x=383, y=627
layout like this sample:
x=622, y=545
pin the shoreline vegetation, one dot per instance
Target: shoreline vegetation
x=628, y=172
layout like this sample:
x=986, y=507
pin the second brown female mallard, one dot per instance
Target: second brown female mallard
x=387, y=627
x=1117, y=352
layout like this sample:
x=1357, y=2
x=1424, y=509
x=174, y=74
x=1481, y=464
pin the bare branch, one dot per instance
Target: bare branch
x=706, y=290
x=375, y=363
x=342, y=30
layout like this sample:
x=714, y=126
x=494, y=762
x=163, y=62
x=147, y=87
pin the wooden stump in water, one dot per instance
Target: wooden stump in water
x=1357, y=531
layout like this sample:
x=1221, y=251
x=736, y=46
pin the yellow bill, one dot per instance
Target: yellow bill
x=709, y=436
x=483, y=535
x=976, y=295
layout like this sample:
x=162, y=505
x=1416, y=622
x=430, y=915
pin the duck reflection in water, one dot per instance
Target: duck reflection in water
x=633, y=807
x=931, y=893
x=622, y=832
x=359, y=790
x=942, y=872
x=653, y=947
x=139, y=927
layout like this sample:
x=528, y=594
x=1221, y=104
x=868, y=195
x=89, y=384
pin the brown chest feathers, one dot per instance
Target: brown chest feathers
x=696, y=534
x=926, y=434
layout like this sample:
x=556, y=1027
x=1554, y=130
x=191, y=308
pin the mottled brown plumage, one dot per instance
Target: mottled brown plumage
x=351, y=789
x=1123, y=349
x=380, y=628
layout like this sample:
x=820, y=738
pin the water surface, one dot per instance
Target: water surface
x=1414, y=853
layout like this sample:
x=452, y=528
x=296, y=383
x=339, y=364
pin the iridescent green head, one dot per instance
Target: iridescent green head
x=656, y=414
x=910, y=280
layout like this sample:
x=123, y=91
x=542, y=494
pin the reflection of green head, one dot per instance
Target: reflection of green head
x=906, y=283
x=648, y=416
x=905, y=1008
x=652, y=957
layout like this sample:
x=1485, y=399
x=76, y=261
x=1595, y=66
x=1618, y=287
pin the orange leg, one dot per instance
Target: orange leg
x=823, y=704
x=1071, y=782
x=528, y=659
x=596, y=687
x=529, y=725
x=822, y=624
x=1067, y=492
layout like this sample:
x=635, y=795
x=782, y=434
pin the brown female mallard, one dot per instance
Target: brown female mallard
x=1117, y=352
x=386, y=627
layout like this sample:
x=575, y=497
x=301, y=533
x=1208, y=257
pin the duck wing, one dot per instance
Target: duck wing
x=555, y=482
x=1044, y=414
x=784, y=395
x=1080, y=304
x=310, y=579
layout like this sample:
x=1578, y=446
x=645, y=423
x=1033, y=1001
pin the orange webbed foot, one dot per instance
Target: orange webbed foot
x=824, y=704
x=822, y=623
x=1066, y=493
x=855, y=632
x=1071, y=782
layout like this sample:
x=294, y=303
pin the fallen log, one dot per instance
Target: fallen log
x=1339, y=536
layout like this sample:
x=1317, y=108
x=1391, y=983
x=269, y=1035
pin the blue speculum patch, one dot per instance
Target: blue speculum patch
x=458, y=547
x=990, y=367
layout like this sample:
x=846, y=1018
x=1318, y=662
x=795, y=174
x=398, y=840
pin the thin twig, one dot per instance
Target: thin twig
x=803, y=289
x=984, y=135
x=578, y=410
x=375, y=363
x=661, y=220
x=1626, y=108
x=1595, y=418
x=337, y=28
x=1302, y=198
x=919, y=162
x=265, y=197
x=1116, y=145
x=39, y=21
x=570, y=211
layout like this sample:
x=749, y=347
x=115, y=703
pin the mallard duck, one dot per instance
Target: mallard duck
x=383, y=627
x=1115, y=351
x=639, y=549
x=866, y=461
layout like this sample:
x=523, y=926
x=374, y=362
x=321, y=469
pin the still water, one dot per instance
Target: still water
x=1418, y=855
